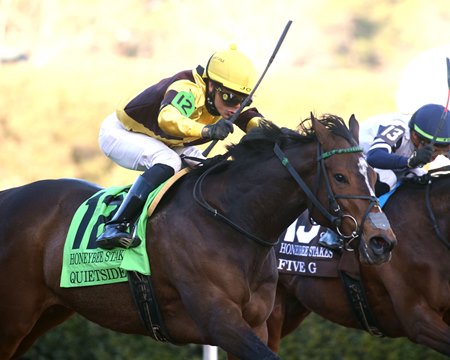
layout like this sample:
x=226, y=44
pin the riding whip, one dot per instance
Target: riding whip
x=249, y=96
x=445, y=112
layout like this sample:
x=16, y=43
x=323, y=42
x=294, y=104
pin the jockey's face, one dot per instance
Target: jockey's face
x=441, y=149
x=438, y=149
x=227, y=102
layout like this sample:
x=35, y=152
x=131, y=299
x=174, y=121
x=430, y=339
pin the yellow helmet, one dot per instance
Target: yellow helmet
x=232, y=69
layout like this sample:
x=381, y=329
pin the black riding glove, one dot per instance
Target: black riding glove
x=218, y=131
x=421, y=157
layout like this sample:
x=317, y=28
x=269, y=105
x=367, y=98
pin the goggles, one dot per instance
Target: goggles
x=231, y=99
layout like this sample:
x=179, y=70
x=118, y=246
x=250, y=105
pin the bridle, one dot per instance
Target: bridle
x=335, y=216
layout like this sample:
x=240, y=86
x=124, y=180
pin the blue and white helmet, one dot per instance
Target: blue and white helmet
x=426, y=122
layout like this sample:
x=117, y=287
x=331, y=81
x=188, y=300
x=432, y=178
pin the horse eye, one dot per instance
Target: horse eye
x=340, y=178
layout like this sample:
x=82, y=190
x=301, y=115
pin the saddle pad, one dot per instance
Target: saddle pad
x=86, y=265
x=298, y=252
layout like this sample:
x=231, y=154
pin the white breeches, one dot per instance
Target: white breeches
x=137, y=151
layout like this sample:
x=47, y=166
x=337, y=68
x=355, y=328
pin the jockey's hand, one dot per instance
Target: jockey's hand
x=421, y=157
x=218, y=131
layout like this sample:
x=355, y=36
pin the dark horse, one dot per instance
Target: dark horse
x=213, y=270
x=408, y=296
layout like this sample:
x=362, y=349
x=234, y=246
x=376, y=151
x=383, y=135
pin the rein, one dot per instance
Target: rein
x=199, y=198
x=309, y=194
x=430, y=209
x=334, y=219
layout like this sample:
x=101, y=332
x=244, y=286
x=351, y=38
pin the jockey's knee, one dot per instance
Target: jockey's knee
x=169, y=158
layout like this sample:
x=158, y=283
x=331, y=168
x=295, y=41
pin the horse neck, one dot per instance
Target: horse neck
x=440, y=205
x=417, y=238
x=264, y=199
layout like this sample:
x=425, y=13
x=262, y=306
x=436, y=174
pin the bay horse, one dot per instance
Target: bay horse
x=213, y=266
x=408, y=296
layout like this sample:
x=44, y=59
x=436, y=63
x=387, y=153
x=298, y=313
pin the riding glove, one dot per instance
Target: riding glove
x=218, y=131
x=421, y=157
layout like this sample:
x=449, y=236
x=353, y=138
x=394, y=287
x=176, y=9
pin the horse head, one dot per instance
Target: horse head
x=354, y=212
x=326, y=173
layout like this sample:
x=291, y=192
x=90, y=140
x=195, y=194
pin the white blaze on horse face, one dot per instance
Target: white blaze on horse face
x=363, y=169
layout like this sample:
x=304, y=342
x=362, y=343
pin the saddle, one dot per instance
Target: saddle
x=86, y=265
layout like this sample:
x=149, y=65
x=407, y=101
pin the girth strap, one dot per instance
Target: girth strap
x=145, y=300
x=349, y=272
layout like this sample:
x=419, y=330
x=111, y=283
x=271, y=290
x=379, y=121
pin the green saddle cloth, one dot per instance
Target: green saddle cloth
x=86, y=265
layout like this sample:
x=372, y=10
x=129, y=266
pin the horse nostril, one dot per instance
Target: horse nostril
x=379, y=245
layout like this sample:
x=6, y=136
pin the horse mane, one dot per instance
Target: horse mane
x=258, y=143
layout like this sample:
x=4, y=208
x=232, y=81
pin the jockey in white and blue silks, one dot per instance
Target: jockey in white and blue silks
x=403, y=145
x=397, y=144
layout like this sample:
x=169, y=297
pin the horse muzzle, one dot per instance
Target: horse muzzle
x=378, y=241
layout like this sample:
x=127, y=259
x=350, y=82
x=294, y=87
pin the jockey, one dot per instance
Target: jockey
x=396, y=145
x=399, y=148
x=149, y=132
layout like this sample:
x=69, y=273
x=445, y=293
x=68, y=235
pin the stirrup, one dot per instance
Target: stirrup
x=118, y=242
x=115, y=235
x=128, y=243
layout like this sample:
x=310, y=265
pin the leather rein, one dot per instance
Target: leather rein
x=429, y=207
x=335, y=217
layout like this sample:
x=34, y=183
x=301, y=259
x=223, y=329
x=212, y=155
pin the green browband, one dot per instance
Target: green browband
x=353, y=149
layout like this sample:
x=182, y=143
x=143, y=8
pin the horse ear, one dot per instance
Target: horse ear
x=321, y=131
x=354, y=127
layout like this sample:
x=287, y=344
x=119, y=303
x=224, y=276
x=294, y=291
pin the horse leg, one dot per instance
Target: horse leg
x=221, y=323
x=14, y=328
x=20, y=309
x=275, y=325
x=260, y=333
x=276, y=319
x=231, y=333
x=286, y=316
x=52, y=317
x=430, y=330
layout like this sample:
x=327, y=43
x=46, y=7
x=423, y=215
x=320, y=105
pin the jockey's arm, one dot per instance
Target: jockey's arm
x=381, y=158
x=172, y=122
x=248, y=119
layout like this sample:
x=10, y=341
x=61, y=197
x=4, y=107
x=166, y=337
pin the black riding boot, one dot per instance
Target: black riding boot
x=330, y=240
x=116, y=233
